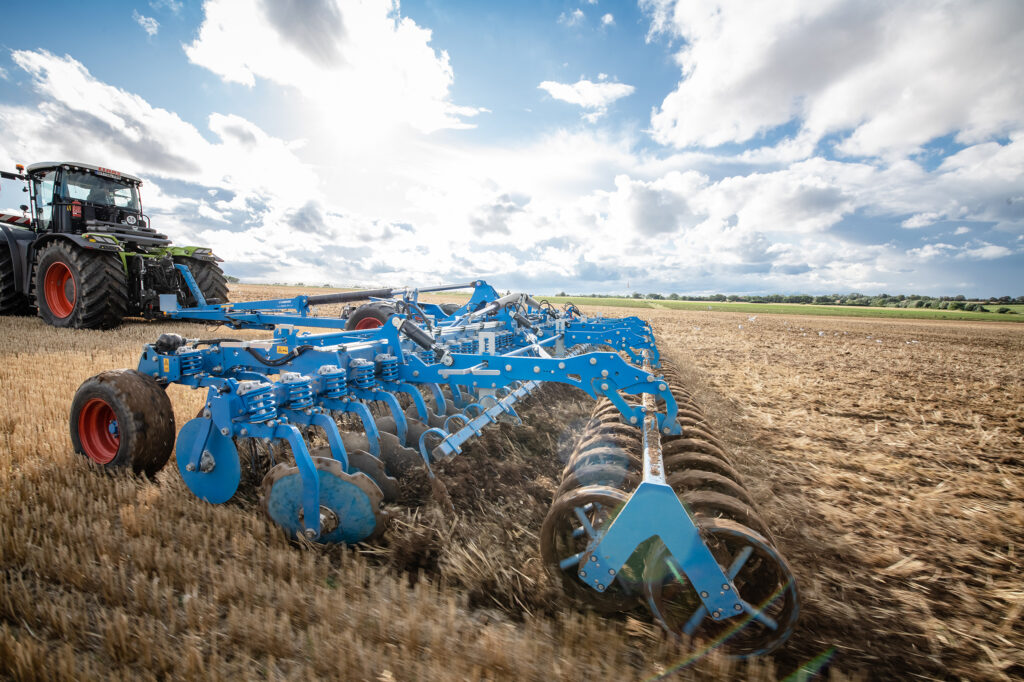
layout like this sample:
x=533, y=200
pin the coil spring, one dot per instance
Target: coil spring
x=191, y=362
x=258, y=397
x=361, y=373
x=333, y=381
x=466, y=347
x=427, y=356
x=300, y=390
x=387, y=367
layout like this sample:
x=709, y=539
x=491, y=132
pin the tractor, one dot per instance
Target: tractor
x=83, y=254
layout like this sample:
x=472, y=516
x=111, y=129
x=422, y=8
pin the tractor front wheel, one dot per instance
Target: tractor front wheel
x=78, y=288
x=123, y=419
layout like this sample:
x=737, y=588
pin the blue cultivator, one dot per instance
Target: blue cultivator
x=632, y=520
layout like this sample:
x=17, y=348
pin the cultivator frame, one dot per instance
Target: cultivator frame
x=617, y=524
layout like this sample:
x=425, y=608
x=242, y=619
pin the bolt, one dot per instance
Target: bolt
x=604, y=373
x=725, y=588
x=611, y=571
x=738, y=607
x=225, y=431
x=593, y=361
x=662, y=387
x=704, y=595
x=190, y=467
x=650, y=377
x=632, y=420
x=310, y=533
x=583, y=574
x=508, y=368
x=716, y=615
x=206, y=413
x=604, y=387
x=244, y=432
x=561, y=365
x=536, y=369
x=593, y=558
x=666, y=430
x=415, y=372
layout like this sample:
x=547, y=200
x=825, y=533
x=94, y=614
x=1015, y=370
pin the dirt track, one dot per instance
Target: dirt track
x=889, y=471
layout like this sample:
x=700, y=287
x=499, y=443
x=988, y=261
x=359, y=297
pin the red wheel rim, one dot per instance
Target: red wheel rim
x=369, y=323
x=98, y=432
x=59, y=289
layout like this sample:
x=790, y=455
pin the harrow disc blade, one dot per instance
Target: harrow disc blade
x=349, y=503
x=762, y=578
x=216, y=477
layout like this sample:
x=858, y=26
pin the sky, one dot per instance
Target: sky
x=695, y=147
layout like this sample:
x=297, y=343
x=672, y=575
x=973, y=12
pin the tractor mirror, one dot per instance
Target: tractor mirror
x=23, y=207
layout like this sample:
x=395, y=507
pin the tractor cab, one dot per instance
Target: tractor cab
x=77, y=198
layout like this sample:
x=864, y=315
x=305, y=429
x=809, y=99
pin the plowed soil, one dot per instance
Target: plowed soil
x=885, y=456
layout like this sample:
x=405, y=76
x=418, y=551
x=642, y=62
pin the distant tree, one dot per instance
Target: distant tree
x=232, y=279
x=1003, y=310
x=716, y=297
x=959, y=297
x=956, y=305
x=673, y=297
x=656, y=297
x=637, y=294
x=561, y=293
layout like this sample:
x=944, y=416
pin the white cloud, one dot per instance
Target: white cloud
x=889, y=77
x=361, y=64
x=572, y=18
x=607, y=20
x=590, y=95
x=962, y=230
x=173, y=5
x=148, y=24
x=985, y=251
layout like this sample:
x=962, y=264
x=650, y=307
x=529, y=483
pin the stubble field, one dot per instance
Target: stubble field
x=885, y=455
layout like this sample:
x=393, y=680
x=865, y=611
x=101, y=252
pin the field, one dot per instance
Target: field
x=885, y=454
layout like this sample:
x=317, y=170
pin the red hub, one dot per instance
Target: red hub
x=369, y=323
x=59, y=289
x=97, y=429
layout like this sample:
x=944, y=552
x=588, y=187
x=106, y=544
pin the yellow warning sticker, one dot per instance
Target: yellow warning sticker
x=167, y=364
x=283, y=350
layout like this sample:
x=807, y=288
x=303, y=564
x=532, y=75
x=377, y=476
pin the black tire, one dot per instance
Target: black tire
x=12, y=302
x=123, y=419
x=365, y=316
x=210, y=279
x=94, y=294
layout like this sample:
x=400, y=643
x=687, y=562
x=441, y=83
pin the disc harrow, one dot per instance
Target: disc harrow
x=330, y=412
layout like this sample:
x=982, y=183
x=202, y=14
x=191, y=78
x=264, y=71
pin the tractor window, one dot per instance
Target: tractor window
x=99, y=190
x=44, y=197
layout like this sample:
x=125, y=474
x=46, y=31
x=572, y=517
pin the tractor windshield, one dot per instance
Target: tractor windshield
x=100, y=190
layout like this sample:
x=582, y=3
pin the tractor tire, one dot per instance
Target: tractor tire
x=210, y=279
x=80, y=289
x=12, y=302
x=122, y=419
x=370, y=316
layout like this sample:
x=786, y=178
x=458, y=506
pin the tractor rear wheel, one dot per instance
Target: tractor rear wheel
x=370, y=316
x=210, y=279
x=12, y=302
x=123, y=419
x=78, y=288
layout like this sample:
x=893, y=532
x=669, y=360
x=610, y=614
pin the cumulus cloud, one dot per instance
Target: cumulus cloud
x=607, y=20
x=592, y=96
x=173, y=6
x=361, y=63
x=886, y=77
x=571, y=18
x=148, y=24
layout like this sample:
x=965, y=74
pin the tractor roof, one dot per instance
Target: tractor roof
x=83, y=166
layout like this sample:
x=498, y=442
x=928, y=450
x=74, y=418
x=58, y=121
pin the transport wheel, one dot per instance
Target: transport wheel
x=80, y=289
x=369, y=316
x=763, y=580
x=12, y=302
x=349, y=503
x=123, y=419
x=210, y=279
x=569, y=527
